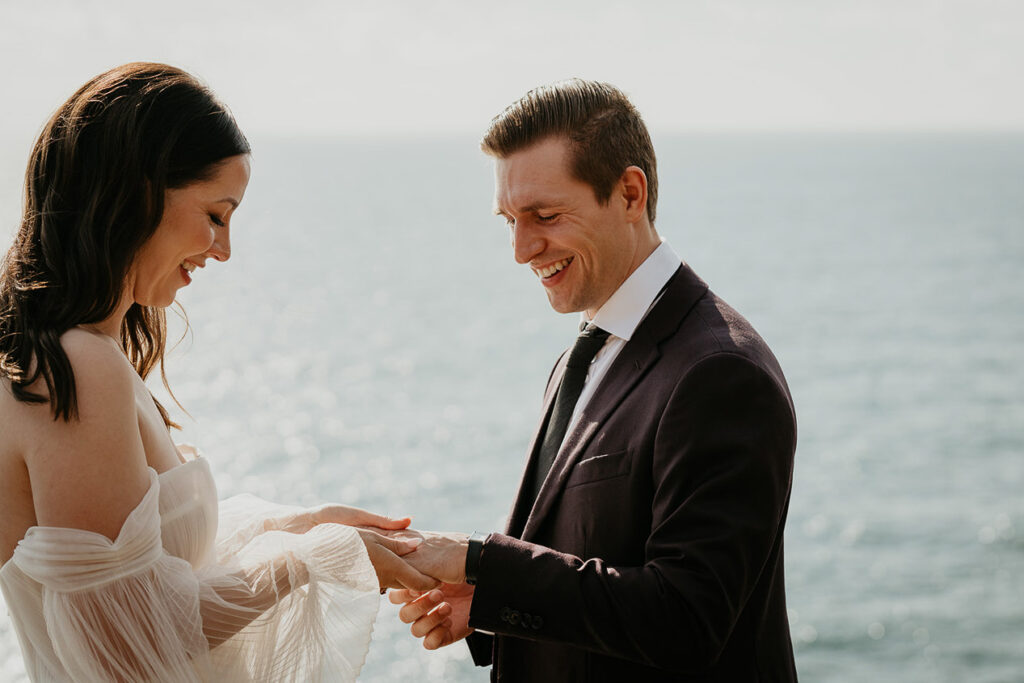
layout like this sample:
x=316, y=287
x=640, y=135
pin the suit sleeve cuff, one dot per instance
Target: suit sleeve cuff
x=480, y=647
x=515, y=585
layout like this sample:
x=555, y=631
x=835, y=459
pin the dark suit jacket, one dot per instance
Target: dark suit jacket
x=654, y=550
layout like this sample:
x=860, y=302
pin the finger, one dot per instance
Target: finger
x=431, y=620
x=391, y=523
x=353, y=516
x=403, y=546
x=409, y=577
x=400, y=596
x=439, y=637
x=372, y=519
x=399, y=546
x=394, y=533
x=420, y=606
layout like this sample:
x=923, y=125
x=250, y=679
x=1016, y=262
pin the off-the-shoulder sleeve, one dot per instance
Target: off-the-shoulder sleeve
x=278, y=607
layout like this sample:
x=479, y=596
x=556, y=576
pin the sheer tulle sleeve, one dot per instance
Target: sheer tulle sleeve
x=271, y=606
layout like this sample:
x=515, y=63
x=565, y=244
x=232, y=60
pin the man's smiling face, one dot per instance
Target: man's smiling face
x=581, y=249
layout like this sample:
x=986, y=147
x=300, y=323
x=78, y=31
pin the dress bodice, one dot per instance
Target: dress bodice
x=188, y=511
x=148, y=604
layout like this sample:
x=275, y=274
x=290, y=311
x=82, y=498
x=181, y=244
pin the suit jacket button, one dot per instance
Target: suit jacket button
x=537, y=623
x=505, y=614
x=514, y=617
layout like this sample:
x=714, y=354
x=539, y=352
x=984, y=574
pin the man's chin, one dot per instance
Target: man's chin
x=560, y=305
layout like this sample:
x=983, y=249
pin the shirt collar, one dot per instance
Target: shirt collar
x=624, y=310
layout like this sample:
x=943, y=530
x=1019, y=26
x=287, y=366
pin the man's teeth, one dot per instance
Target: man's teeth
x=553, y=268
x=188, y=265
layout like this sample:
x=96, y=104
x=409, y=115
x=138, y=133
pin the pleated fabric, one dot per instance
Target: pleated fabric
x=193, y=590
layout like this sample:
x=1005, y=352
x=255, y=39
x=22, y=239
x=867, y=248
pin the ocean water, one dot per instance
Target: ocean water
x=372, y=342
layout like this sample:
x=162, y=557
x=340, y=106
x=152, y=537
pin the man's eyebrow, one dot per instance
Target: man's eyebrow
x=536, y=206
x=228, y=200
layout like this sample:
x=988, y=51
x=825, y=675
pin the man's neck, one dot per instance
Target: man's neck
x=645, y=247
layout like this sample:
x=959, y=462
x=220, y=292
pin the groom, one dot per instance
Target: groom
x=645, y=543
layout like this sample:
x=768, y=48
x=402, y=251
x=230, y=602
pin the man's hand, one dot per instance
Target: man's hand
x=439, y=616
x=440, y=554
x=390, y=560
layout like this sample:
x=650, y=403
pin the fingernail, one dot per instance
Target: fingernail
x=414, y=542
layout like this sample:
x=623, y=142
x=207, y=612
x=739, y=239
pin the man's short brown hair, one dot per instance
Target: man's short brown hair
x=605, y=132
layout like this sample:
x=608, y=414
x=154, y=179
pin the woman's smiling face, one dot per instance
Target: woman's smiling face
x=195, y=227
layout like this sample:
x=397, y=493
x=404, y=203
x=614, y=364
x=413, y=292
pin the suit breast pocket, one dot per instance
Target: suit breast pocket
x=599, y=468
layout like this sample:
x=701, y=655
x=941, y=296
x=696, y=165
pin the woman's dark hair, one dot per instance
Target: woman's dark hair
x=94, y=193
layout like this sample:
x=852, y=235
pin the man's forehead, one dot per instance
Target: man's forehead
x=530, y=179
x=525, y=196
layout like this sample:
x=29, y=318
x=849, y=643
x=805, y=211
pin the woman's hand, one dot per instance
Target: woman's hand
x=385, y=552
x=393, y=571
x=330, y=513
x=350, y=516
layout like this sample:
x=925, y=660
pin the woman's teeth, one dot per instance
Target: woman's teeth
x=188, y=265
x=553, y=268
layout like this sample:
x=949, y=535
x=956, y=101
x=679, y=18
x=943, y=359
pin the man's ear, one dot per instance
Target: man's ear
x=633, y=191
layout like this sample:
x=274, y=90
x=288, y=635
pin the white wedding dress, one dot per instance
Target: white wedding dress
x=192, y=591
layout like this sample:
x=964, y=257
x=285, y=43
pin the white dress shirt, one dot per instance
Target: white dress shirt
x=622, y=313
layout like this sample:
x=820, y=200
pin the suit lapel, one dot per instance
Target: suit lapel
x=626, y=370
x=635, y=359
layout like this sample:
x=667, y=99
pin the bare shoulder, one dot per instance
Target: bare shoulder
x=100, y=373
x=96, y=360
x=90, y=472
x=16, y=511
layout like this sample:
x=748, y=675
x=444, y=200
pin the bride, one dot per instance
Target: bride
x=118, y=562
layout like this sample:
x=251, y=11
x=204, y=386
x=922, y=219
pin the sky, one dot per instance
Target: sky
x=415, y=67
x=407, y=68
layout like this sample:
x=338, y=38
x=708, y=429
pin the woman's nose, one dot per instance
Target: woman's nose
x=221, y=247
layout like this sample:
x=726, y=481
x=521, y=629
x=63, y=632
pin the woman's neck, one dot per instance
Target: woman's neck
x=111, y=325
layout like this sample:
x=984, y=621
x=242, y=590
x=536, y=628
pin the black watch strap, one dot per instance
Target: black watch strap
x=476, y=546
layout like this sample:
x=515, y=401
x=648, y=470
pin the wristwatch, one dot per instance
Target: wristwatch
x=476, y=546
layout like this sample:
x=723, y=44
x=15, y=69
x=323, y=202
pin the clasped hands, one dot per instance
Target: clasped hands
x=426, y=569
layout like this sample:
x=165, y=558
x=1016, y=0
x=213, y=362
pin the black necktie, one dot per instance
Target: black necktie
x=583, y=351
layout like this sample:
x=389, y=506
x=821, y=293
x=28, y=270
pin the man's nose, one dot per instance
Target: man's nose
x=526, y=243
x=221, y=247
